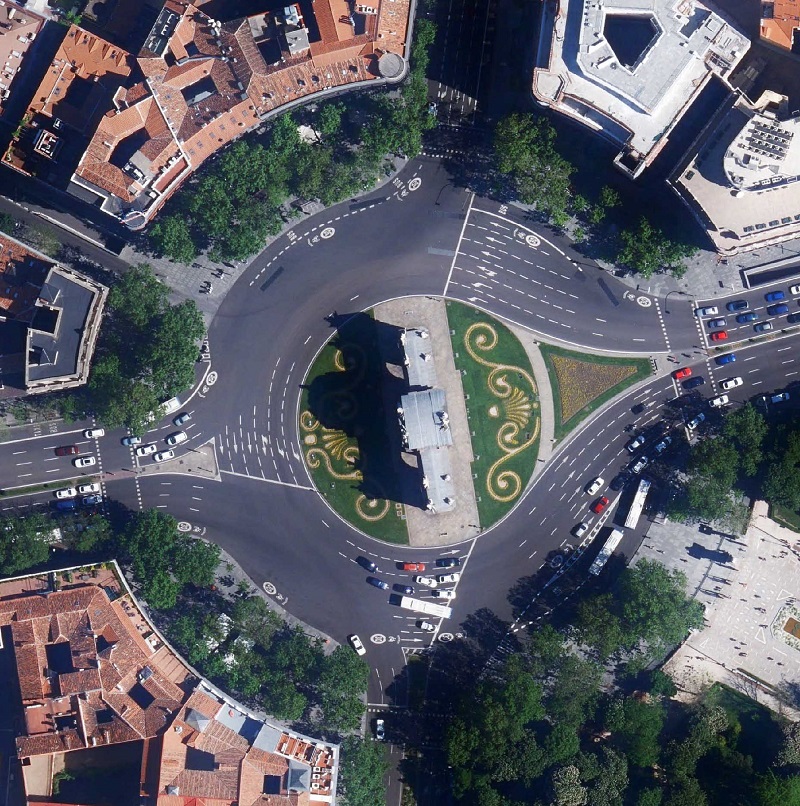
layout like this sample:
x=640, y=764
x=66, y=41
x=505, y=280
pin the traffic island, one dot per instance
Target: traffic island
x=583, y=382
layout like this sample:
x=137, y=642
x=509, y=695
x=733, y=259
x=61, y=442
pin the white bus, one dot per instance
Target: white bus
x=430, y=608
x=608, y=549
x=635, y=512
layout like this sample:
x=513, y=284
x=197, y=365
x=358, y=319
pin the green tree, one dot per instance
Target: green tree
x=598, y=626
x=362, y=768
x=195, y=561
x=647, y=250
x=254, y=619
x=341, y=684
x=574, y=692
x=160, y=590
x=661, y=684
x=329, y=121
x=746, y=428
x=636, y=727
x=566, y=787
x=6, y=223
x=771, y=791
x=171, y=236
x=650, y=797
x=24, y=541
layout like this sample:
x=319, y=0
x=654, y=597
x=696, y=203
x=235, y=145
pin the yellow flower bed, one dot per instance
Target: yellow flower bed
x=581, y=382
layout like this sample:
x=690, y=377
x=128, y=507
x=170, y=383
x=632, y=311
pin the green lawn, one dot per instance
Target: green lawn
x=786, y=517
x=586, y=382
x=502, y=403
x=343, y=431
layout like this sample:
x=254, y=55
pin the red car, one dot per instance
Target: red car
x=683, y=372
x=599, y=505
x=67, y=450
x=720, y=335
x=413, y=566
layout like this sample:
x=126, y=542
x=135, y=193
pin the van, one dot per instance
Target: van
x=69, y=505
x=168, y=406
x=177, y=438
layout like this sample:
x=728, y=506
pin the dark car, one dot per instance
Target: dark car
x=91, y=500
x=638, y=408
x=619, y=481
x=774, y=296
x=737, y=305
x=378, y=583
x=367, y=565
x=67, y=506
x=778, y=310
x=744, y=318
x=728, y=358
x=406, y=590
x=67, y=450
x=447, y=562
x=692, y=383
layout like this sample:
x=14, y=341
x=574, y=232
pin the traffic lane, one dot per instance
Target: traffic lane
x=518, y=272
x=764, y=368
x=542, y=524
x=34, y=461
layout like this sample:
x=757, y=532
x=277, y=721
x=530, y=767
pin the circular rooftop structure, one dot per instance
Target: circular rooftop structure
x=391, y=66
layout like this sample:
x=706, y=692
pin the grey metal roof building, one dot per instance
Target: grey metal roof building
x=426, y=419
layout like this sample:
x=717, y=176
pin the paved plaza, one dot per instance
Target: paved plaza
x=749, y=586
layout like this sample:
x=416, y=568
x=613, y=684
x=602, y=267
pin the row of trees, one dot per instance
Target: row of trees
x=525, y=152
x=744, y=454
x=237, y=204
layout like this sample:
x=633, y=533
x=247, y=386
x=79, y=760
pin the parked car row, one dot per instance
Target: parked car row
x=776, y=307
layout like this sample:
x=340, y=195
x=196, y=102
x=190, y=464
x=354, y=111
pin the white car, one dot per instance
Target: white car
x=711, y=310
x=581, y=529
x=595, y=486
x=380, y=730
x=444, y=594
x=636, y=444
x=444, y=579
x=168, y=406
x=131, y=441
x=429, y=582
x=94, y=433
x=794, y=289
x=84, y=461
x=67, y=492
x=693, y=423
x=426, y=626
x=641, y=464
x=146, y=450
x=731, y=383
x=163, y=456
x=663, y=445
x=722, y=400
x=89, y=489
x=355, y=642
x=177, y=438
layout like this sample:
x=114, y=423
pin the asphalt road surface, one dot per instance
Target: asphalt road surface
x=418, y=236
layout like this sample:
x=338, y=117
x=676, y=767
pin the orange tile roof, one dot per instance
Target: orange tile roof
x=779, y=28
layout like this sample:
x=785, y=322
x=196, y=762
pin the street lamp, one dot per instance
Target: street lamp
x=674, y=291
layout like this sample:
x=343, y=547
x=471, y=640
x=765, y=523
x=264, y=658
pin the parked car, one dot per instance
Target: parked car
x=447, y=562
x=163, y=456
x=378, y=583
x=719, y=335
x=731, y=383
x=594, y=486
x=635, y=444
x=177, y=438
x=683, y=372
x=794, y=289
x=182, y=418
x=367, y=564
x=67, y=506
x=695, y=421
x=581, y=529
x=428, y=582
x=426, y=626
x=737, y=305
x=84, y=461
x=709, y=310
x=663, y=445
x=446, y=579
x=88, y=489
x=94, y=433
x=778, y=310
x=355, y=642
x=380, y=730
x=762, y=327
x=67, y=450
x=729, y=358
x=712, y=323
x=146, y=450
x=131, y=441
x=782, y=397
x=744, y=318
x=640, y=464
x=67, y=492
x=91, y=500
x=601, y=503
x=722, y=400
x=413, y=566
x=448, y=594
x=774, y=296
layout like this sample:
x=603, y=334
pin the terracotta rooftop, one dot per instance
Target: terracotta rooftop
x=783, y=20
x=87, y=674
x=22, y=275
x=18, y=29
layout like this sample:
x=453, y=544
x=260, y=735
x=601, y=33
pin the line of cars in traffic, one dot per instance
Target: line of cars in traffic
x=776, y=306
x=141, y=450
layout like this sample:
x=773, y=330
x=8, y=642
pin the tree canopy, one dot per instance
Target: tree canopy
x=647, y=250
